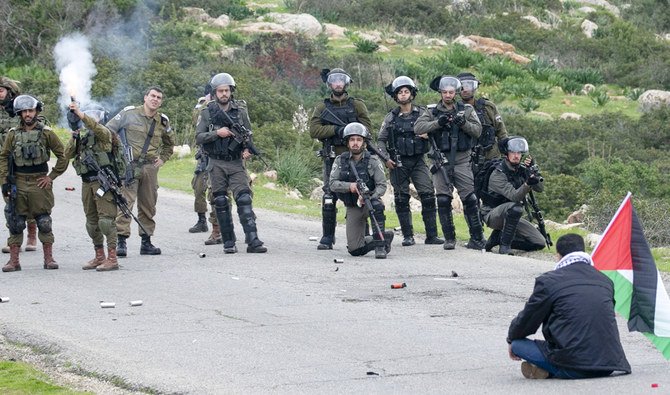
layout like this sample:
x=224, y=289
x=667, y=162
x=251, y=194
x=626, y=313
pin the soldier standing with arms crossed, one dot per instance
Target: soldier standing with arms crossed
x=150, y=136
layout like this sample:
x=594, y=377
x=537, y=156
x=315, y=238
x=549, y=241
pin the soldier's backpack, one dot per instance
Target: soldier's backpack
x=482, y=181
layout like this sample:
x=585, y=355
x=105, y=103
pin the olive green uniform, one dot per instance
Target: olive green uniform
x=32, y=150
x=6, y=123
x=101, y=211
x=323, y=126
x=145, y=187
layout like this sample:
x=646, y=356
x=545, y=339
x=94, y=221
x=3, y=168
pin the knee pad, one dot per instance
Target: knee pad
x=16, y=223
x=243, y=199
x=470, y=202
x=106, y=225
x=444, y=201
x=221, y=202
x=514, y=212
x=377, y=205
x=402, y=203
x=43, y=223
x=427, y=201
x=328, y=202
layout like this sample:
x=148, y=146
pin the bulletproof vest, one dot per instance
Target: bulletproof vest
x=29, y=147
x=220, y=148
x=346, y=113
x=350, y=199
x=405, y=141
x=490, y=198
x=464, y=143
x=86, y=147
x=488, y=136
x=6, y=123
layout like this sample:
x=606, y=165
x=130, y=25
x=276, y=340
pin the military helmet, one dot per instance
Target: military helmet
x=96, y=112
x=446, y=81
x=336, y=75
x=402, y=81
x=11, y=85
x=355, y=129
x=513, y=144
x=26, y=102
x=222, y=79
x=468, y=81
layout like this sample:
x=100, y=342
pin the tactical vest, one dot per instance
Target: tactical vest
x=88, y=147
x=488, y=136
x=465, y=142
x=220, y=148
x=350, y=199
x=406, y=142
x=29, y=147
x=346, y=114
x=6, y=123
x=494, y=199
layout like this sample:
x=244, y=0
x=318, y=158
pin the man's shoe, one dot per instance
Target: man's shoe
x=434, y=240
x=388, y=239
x=147, y=248
x=531, y=371
x=215, y=236
x=199, y=227
x=229, y=247
x=322, y=246
x=476, y=244
x=380, y=252
x=494, y=240
x=449, y=244
x=121, y=248
x=505, y=250
x=408, y=241
x=256, y=246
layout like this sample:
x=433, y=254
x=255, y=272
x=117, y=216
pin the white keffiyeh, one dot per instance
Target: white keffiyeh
x=574, y=257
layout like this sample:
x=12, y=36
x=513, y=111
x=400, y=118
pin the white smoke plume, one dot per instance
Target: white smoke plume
x=74, y=63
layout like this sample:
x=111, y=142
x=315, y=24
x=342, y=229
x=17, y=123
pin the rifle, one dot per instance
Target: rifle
x=129, y=176
x=539, y=217
x=15, y=223
x=203, y=160
x=371, y=147
x=241, y=134
x=110, y=182
x=364, y=191
x=477, y=159
x=393, y=150
x=72, y=119
x=440, y=162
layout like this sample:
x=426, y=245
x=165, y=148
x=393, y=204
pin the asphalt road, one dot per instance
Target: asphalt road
x=289, y=321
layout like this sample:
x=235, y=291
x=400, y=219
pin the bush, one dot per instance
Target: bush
x=232, y=38
x=563, y=194
x=296, y=168
x=599, y=96
x=528, y=104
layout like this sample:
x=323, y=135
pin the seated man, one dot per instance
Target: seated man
x=575, y=305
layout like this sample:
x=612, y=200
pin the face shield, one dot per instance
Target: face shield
x=447, y=83
x=517, y=144
x=98, y=115
x=338, y=78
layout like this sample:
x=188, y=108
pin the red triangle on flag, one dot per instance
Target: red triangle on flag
x=613, y=250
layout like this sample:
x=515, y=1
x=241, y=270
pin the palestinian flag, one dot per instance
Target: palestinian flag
x=624, y=256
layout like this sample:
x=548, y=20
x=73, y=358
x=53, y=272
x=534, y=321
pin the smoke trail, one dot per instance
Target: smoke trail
x=76, y=70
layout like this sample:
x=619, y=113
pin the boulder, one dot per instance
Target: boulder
x=536, y=22
x=586, y=9
x=227, y=53
x=271, y=175
x=211, y=36
x=588, y=28
x=270, y=185
x=578, y=216
x=604, y=4
x=298, y=23
x=223, y=21
x=263, y=28
x=182, y=151
x=570, y=115
x=196, y=14
x=588, y=88
x=516, y=58
x=294, y=194
x=317, y=194
x=383, y=48
x=491, y=46
x=653, y=99
x=333, y=31
x=436, y=42
x=372, y=35
x=592, y=239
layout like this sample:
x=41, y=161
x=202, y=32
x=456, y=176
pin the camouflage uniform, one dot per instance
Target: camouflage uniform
x=145, y=187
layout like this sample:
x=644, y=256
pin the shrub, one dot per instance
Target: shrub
x=528, y=104
x=633, y=93
x=562, y=195
x=232, y=38
x=296, y=168
x=366, y=46
x=501, y=68
x=583, y=75
x=599, y=96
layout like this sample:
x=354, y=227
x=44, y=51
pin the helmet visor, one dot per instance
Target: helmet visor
x=470, y=85
x=447, y=83
x=340, y=78
x=517, y=144
x=98, y=115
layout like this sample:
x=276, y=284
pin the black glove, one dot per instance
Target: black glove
x=444, y=120
x=6, y=188
x=339, y=131
x=459, y=119
x=532, y=180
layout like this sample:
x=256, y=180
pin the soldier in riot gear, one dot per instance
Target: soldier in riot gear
x=504, y=198
x=357, y=187
x=493, y=127
x=149, y=135
x=96, y=143
x=406, y=151
x=455, y=127
x=200, y=181
x=215, y=131
x=9, y=89
x=327, y=124
x=30, y=146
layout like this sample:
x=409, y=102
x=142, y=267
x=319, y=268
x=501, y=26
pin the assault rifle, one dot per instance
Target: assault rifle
x=393, y=150
x=440, y=163
x=241, y=134
x=129, y=176
x=202, y=159
x=110, y=182
x=477, y=159
x=364, y=191
x=539, y=217
x=14, y=222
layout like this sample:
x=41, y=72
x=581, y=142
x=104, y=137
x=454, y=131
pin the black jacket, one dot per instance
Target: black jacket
x=575, y=305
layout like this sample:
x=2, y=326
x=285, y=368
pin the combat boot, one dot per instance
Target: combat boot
x=447, y=221
x=380, y=252
x=121, y=247
x=255, y=246
x=215, y=236
x=111, y=263
x=200, y=226
x=31, y=242
x=97, y=261
x=49, y=262
x=147, y=248
x=13, y=264
x=494, y=240
x=471, y=212
x=512, y=218
x=6, y=249
x=405, y=219
x=429, y=215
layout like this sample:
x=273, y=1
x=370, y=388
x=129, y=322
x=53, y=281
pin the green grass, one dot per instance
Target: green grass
x=19, y=378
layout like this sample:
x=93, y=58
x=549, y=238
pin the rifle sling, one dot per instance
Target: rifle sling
x=147, y=141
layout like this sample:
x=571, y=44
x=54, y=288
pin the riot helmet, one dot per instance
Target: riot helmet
x=403, y=81
x=222, y=79
x=96, y=112
x=26, y=102
x=444, y=82
x=334, y=76
x=469, y=85
x=513, y=144
x=355, y=129
x=11, y=86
